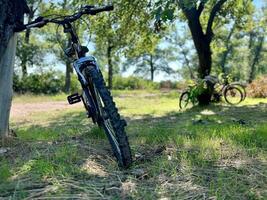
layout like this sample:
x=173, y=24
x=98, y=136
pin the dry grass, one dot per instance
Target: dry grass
x=217, y=152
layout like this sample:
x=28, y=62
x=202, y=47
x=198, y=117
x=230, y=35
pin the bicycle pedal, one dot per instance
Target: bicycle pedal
x=74, y=98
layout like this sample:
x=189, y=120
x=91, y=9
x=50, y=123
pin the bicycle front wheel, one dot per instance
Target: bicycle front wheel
x=109, y=119
x=233, y=95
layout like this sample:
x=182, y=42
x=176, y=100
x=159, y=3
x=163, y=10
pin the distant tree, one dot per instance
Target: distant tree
x=256, y=42
x=122, y=32
x=11, y=14
x=228, y=48
x=256, y=57
x=152, y=63
x=202, y=16
x=184, y=50
x=63, y=7
x=29, y=52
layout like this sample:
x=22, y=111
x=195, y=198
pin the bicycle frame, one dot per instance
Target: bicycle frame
x=81, y=62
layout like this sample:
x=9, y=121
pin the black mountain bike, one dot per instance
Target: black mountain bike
x=96, y=98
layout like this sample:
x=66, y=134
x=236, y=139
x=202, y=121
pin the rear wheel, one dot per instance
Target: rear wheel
x=242, y=88
x=184, y=101
x=233, y=95
x=109, y=119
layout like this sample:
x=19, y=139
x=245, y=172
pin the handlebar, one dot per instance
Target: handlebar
x=39, y=22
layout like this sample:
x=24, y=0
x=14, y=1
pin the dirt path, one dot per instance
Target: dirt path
x=24, y=109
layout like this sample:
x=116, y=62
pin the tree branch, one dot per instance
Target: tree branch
x=216, y=8
x=200, y=8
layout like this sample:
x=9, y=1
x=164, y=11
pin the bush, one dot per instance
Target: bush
x=258, y=88
x=45, y=83
x=133, y=83
x=75, y=85
x=173, y=85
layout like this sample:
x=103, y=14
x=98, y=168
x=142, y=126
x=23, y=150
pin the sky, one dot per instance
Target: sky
x=259, y=3
x=158, y=77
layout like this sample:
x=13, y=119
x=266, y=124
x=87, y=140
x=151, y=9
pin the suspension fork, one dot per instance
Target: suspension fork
x=89, y=103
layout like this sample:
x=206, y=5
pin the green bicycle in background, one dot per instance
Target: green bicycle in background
x=233, y=93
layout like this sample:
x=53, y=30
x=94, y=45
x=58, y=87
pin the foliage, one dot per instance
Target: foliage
x=196, y=90
x=133, y=83
x=53, y=83
x=31, y=53
x=45, y=83
x=202, y=17
x=129, y=32
x=5, y=172
x=172, y=85
x=149, y=64
x=121, y=32
x=181, y=43
x=30, y=48
x=239, y=47
x=258, y=88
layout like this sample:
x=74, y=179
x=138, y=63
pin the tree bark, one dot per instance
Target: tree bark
x=27, y=41
x=69, y=71
x=11, y=14
x=6, y=78
x=256, y=59
x=152, y=69
x=201, y=42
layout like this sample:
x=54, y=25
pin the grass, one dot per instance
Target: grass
x=215, y=152
x=31, y=98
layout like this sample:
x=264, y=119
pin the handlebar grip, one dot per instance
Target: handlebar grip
x=109, y=8
x=94, y=11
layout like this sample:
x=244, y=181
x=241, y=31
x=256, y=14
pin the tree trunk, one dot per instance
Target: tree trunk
x=202, y=41
x=69, y=71
x=256, y=59
x=27, y=41
x=204, y=56
x=202, y=44
x=11, y=14
x=6, y=77
x=152, y=69
x=110, y=67
x=228, y=49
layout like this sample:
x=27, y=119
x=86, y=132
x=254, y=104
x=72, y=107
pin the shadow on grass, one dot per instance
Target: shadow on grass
x=199, y=153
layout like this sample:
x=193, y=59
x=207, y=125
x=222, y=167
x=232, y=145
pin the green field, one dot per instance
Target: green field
x=215, y=152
